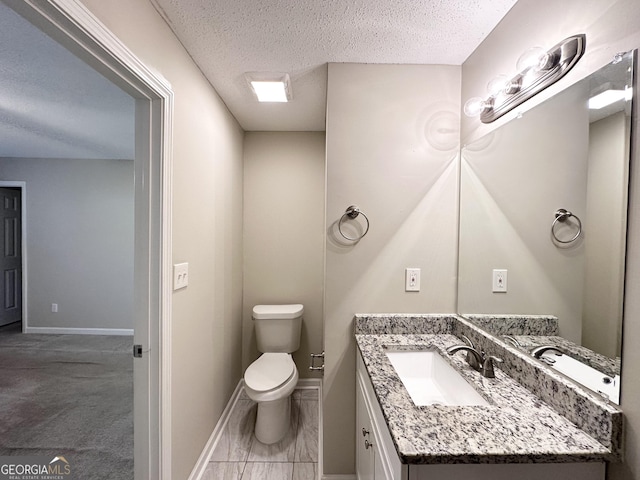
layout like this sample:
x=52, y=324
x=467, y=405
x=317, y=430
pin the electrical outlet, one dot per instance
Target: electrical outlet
x=180, y=275
x=499, y=281
x=412, y=280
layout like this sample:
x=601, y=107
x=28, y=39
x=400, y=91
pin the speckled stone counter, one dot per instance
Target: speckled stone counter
x=609, y=366
x=517, y=427
x=515, y=324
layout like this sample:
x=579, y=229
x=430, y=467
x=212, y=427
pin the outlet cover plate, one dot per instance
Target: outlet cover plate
x=499, y=283
x=412, y=280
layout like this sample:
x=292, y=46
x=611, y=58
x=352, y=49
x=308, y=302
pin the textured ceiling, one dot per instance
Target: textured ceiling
x=229, y=38
x=53, y=105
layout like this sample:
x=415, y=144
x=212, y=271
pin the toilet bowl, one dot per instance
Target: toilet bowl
x=271, y=379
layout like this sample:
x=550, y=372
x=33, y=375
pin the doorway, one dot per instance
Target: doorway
x=72, y=25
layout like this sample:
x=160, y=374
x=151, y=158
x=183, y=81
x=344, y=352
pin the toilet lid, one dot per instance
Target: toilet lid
x=269, y=371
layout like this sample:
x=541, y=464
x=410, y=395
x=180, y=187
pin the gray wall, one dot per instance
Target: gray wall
x=605, y=250
x=512, y=180
x=392, y=150
x=79, y=241
x=380, y=156
x=284, y=233
x=206, y=339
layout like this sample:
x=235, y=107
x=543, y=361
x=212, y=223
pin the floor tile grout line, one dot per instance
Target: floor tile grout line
x=298, y=419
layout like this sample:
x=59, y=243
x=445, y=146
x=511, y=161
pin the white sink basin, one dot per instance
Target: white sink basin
x=430, y=379
x=584, y=374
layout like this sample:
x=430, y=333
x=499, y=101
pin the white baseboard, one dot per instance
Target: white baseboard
x=80, y=331
x=201, y=465
x=339, y=477
x=309, y=383
x=207, y=451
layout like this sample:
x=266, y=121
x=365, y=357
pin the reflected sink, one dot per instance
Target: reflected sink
x=584, y=374
x=431, y=380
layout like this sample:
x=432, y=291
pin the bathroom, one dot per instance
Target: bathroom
x=406, y=185
x=384, y=154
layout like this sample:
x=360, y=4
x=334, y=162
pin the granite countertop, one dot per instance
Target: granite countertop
x=517, y=427
x=606, y=365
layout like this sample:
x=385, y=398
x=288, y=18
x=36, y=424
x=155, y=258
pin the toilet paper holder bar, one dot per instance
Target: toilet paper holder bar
x=313, y=361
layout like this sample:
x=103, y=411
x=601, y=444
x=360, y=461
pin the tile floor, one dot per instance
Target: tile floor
x=240, y=456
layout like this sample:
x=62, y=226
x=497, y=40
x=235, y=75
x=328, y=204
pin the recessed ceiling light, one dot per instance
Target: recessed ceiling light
x=606, y=98
x=270, y=87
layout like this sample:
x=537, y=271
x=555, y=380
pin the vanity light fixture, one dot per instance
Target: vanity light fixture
x=270, y=87
x=537, y=70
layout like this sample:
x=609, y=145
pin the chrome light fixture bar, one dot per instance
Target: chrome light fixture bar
x=538, y=69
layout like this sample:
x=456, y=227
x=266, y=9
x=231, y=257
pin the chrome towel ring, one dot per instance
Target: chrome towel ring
x=562, y=216
x=352, y=212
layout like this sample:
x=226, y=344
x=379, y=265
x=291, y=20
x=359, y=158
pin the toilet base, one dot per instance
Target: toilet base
x=273, y=420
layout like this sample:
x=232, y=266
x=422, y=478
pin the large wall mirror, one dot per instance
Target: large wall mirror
x=563, y=154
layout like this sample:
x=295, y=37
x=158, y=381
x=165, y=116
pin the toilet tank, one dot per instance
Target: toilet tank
x=278, y=327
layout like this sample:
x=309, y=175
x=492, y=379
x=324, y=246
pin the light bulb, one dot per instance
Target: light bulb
x=475, y=106
x=531, y=58
x=547, y=61
x=497, y=85
x=514, y=85
x=504, y=85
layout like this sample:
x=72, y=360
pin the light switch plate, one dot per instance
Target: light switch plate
x=180, y=275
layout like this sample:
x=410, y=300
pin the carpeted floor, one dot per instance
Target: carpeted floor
x=71, y=396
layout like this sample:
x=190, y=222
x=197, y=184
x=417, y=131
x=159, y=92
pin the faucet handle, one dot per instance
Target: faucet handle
x=487, y=367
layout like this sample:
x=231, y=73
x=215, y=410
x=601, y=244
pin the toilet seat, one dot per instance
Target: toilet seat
x=271, y=377
x=269, y=371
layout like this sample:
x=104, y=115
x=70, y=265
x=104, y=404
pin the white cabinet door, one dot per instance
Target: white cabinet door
x=364, y=438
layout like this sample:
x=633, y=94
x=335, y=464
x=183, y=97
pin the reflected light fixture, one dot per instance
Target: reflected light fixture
x=270, y=87
x=537, y=70
x=607, y=98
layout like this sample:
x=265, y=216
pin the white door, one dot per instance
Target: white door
x=10, y=256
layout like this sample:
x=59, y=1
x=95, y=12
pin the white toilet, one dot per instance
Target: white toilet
x=271, y=379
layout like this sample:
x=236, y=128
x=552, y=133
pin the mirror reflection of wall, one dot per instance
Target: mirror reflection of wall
x=607, y=192
x=560, y=154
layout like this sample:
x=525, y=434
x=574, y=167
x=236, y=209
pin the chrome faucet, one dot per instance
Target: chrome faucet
x=512, y=340
x=538, y=351
x=476, y=360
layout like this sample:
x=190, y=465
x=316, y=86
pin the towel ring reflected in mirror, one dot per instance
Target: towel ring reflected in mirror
x=352, y=212
x=562, y=216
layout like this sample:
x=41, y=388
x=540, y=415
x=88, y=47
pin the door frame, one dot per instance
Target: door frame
x=70, y=23
x=23, y=250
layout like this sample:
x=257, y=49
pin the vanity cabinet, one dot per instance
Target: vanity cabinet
x=377, y=459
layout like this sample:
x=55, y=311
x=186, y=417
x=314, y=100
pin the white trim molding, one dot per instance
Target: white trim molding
x=80, y=331
x=75, y=27
x=203, y=460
